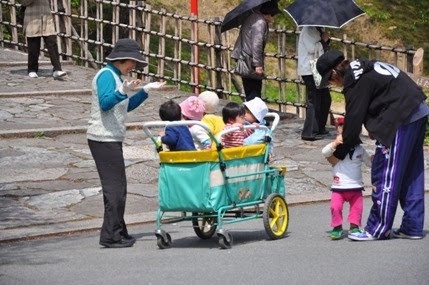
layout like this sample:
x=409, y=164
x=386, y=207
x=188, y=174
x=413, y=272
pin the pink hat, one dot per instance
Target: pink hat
x=193, y=108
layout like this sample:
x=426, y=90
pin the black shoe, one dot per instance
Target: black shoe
x=314, y=138
x=324, y=132
x=119, y=244
x=129, y=237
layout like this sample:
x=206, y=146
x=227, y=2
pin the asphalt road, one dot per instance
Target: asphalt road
x=305, y=256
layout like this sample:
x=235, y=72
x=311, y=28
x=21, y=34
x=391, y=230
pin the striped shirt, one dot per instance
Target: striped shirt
x=235, y=138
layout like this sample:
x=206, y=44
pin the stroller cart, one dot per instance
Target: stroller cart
x=212, y=188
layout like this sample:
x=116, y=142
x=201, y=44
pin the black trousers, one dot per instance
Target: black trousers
x=34, y=51
x=252, y=88
x=109, y=159
x=318, y=105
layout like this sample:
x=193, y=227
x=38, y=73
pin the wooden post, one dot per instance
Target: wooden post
x=218, y=59
x=177, y=50
x=161, y=43
x=14, y=28
x=418, y=62
x=146, y=36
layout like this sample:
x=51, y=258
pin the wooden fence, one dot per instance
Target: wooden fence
x=187, y=51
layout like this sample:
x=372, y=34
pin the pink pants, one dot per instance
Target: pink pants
x=354, y=198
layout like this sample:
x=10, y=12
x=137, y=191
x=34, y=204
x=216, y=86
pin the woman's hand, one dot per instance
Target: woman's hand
x=259, y=70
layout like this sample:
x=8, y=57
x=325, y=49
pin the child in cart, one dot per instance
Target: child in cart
x=211, y=105
x=233, y=115
x=256, y=110
x=176, y=138
x=347, y=184
x=193, y=109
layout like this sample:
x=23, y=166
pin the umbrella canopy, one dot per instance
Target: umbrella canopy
x=236, y=16
x=323, y=13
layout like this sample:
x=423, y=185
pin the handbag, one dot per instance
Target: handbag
x=316, y=76
x=244, y=67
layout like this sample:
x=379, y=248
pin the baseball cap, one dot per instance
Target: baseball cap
x=328, y=61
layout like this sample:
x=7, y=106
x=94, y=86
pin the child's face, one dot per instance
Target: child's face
x=249, y=117
x=240, y=119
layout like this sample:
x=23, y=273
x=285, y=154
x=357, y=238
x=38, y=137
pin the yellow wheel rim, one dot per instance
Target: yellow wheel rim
x=279, y=216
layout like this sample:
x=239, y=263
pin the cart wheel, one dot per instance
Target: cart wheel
x=204, y=227
x=275, y=216
x=225, y=240
x=163, y=239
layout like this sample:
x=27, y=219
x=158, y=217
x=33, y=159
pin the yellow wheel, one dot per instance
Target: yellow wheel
x=275, y=216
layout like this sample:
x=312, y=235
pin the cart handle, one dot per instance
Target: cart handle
x=268, y=131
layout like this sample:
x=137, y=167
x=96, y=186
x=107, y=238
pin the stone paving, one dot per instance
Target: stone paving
x=48, y=181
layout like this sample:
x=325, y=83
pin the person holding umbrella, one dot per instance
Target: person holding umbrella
x=312, y=15
x=251, y=40
x=394, y=111
x=312, y=43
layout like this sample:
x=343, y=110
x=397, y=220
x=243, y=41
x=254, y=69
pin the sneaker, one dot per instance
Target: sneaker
x=398, y=234
x=355, y=231
x=33, y=74
x=59, y=73
x=336, y=233
x=361, y=236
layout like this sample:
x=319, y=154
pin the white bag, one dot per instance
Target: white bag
x=317, y=77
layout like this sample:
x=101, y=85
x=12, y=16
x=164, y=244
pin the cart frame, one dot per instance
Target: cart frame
x=233, y=184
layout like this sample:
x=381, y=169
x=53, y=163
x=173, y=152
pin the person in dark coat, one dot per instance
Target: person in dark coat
x=251, y=40
x=393, y=109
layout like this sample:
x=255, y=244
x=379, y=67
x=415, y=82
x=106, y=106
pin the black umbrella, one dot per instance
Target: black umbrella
x=323, y=13
x=238, y=15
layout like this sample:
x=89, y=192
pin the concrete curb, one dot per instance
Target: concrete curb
x=81, y=92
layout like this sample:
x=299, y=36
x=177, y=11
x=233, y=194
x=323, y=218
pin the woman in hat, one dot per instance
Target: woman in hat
x=112, y=98
x=394, y=111
x=251, y=40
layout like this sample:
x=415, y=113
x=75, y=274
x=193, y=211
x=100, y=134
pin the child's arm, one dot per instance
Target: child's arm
x=200, y=135
x=329, y=149
x=170, y=138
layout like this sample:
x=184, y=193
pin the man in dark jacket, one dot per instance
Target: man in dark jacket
x=394, y=112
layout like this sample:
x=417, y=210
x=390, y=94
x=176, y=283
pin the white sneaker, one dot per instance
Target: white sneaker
x=361, y=236
x=59, y=73
x=33, y=74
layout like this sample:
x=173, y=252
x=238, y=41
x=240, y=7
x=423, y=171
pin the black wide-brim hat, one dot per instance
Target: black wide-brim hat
x=127, y=49
x=328, y=61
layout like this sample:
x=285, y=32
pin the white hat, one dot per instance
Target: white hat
x=258, y=108
x=211, y=101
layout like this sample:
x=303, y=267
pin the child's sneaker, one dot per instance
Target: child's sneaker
x=361, y=236
x=355, y=231
x=336, y=233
